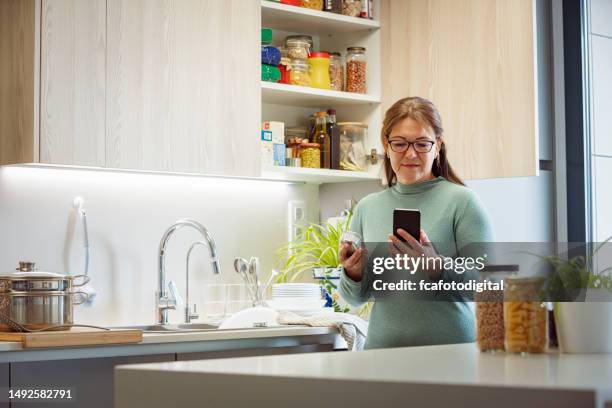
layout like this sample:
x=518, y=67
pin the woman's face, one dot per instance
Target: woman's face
x=412, y=163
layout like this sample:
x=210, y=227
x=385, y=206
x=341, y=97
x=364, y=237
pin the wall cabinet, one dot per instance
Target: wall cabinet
x=72, y=82
x=145, y=85
x=174, y=86
x=476, y=60
x=183, y=86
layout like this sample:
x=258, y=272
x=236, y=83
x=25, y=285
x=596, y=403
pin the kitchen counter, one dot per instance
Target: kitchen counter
x=161, y=343
x=433, y=376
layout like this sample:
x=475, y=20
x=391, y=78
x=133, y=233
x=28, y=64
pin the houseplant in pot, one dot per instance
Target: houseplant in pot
x=316, y=252
x=583, y=307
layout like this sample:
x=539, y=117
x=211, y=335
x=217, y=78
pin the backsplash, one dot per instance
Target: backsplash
x=127, y=213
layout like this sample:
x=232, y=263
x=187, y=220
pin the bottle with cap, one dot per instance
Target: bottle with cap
x=334, y=136
x=321, y=137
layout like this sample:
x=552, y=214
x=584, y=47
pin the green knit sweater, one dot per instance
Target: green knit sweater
x=450, y=214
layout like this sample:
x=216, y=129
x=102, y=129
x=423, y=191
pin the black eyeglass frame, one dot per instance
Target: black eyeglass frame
x=431, y=143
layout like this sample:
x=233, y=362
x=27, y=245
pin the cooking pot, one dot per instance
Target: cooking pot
x=37, y=300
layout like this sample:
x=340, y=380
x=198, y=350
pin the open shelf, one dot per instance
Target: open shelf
x=307, y=21
x=283, y=94
x=317, y=176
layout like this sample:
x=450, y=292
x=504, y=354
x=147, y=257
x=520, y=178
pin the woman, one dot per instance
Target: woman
x=418, y=176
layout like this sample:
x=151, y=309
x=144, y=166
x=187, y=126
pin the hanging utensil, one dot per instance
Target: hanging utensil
x=254, y=272
x=242, y=267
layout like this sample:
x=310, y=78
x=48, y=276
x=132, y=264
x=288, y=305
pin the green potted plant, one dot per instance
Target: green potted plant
x=583, y=307
x=318, y=249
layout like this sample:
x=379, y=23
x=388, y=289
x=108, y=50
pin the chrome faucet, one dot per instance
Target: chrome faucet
x=164, y=302
x=188, y=313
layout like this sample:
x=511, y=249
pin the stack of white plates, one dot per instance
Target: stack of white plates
x=300, y=298
x=296, y=290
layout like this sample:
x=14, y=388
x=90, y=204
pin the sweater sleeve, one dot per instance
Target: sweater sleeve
x=351, y=291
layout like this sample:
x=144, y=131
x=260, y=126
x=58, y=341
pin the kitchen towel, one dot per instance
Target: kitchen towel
x=352, y=328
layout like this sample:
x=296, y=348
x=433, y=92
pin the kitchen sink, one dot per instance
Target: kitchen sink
x=172, y=328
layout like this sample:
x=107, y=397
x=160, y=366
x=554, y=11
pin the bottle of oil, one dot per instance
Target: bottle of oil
x=334, y=135
x=322, y=138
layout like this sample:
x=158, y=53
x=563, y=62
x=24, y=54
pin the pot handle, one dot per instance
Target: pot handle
x=79, y=298
x=85, y=278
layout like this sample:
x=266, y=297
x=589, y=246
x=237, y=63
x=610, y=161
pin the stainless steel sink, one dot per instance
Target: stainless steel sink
x=173, y=328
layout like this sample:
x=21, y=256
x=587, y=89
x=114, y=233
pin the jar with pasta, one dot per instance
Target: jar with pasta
x=525, y=316
x=300, y=73
x=298, y=46
x=336, y=71
x=310, y=155
x=351, y=7
x=356, y=70
x=490, y=335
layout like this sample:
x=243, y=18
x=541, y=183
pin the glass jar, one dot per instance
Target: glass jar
x=312, y=4
x=319, y=70
x=284, y=67
x=295, y=135
x=336, y=71
x=525, y=316
x=298, y=46
x=310, y=155
x=351, y=8
x=299, y=74
x=490, y=334
x=356, y=70
x=352, y=146
x=333, y=6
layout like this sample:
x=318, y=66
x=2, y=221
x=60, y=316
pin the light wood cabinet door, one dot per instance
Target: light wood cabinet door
x=72, y=73
x=183, y=86
x=18, y=87
x=475, y=59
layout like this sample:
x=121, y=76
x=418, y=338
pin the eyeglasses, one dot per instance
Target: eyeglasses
x=420, y=146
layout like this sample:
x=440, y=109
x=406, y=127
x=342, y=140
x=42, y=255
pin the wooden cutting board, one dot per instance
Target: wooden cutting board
x=77, y=336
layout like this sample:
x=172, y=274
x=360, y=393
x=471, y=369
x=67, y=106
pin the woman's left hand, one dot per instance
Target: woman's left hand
x=414, y=248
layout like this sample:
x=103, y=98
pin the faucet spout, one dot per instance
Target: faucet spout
x=164, y=303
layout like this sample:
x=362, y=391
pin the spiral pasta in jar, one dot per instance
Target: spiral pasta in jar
x=525, y=316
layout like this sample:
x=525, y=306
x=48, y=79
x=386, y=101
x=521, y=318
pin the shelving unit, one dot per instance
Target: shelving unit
x=284, y=94
x=292, y=18
x=293, y=104
x=316, y=176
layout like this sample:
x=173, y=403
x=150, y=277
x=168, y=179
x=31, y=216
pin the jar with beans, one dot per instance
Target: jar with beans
x=310, y=155
x=356, y=70
x=490, y=335
x=300, y=73
x=525, y=316
x=336, y=71
x=298, y=46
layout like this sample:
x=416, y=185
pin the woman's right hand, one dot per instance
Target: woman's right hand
x=352, y=261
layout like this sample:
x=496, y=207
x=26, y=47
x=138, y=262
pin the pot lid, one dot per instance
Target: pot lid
x=34, y=274
x=28, y=270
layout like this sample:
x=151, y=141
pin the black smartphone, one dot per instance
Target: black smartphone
x=408, y=220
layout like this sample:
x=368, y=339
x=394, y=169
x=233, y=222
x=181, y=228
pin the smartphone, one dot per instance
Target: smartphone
x=408, y=220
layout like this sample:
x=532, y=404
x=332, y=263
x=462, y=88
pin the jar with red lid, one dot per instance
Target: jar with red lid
x=319, y=70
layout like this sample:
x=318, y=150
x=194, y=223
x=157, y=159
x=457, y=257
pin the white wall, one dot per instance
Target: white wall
x=520, y=208
x=127, y=215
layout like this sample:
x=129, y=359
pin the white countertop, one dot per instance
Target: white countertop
x=195, y=342
x=228, y=334
x=433, y=372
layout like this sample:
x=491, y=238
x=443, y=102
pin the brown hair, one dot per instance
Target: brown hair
x=426, y=114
